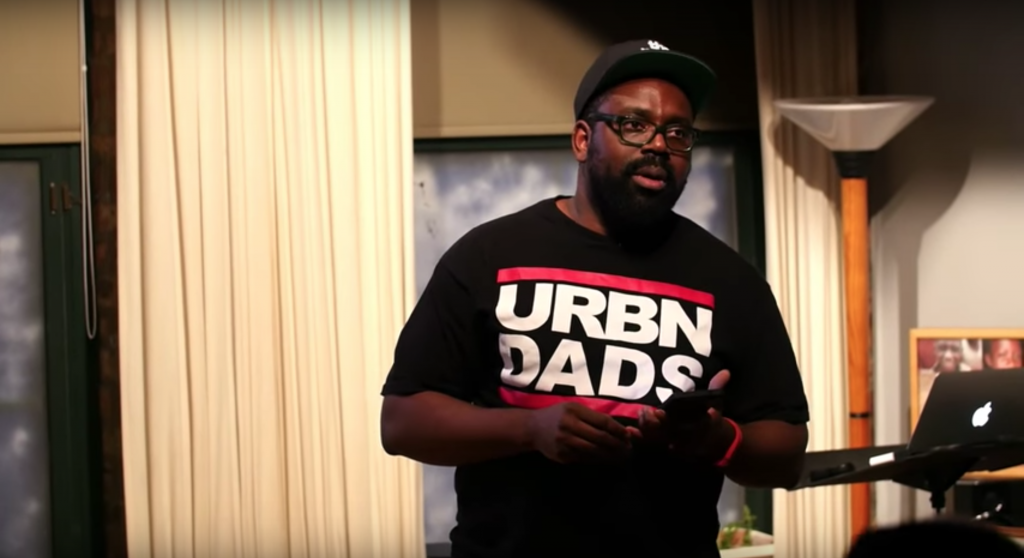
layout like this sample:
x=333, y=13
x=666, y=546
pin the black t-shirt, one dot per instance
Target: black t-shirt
x=532, y=309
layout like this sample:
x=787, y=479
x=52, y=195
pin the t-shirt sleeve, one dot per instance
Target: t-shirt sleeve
x=434, y=348
x=765, y=382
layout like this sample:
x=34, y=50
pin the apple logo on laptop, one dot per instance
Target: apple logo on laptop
x=980, y=417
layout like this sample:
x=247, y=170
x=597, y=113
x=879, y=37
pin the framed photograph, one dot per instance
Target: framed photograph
x=945, y=351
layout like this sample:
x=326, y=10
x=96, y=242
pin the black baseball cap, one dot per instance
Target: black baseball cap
x=646, y=59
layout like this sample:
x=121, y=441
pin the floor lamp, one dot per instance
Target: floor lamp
x=853, y=129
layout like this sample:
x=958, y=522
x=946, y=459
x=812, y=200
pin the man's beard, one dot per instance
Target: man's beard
x=629, y=212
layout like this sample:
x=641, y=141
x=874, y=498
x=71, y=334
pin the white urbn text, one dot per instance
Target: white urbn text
x=628, y=319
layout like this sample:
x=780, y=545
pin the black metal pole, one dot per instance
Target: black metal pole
x=853, y=164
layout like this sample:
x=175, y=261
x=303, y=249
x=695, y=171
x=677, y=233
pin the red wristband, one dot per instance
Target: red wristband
x=732, y=447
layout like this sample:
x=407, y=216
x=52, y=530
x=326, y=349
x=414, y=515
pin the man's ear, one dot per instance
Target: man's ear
x=581, y=137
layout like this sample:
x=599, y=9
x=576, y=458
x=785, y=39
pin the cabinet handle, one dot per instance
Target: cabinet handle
x=54, y=201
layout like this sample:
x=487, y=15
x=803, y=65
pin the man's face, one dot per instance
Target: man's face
x=1004, y=354
x=619, y=175
x=949, y=354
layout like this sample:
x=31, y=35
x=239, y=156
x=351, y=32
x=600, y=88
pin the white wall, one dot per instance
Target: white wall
x=948, y=193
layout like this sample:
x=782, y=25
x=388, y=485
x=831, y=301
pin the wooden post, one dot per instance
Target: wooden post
x=857, y=281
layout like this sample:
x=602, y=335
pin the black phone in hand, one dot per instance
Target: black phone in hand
x=692, y=405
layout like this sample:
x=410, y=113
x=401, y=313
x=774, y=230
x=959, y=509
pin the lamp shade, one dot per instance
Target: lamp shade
x=863, y=123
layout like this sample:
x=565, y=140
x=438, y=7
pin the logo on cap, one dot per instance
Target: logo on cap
x=654, y=45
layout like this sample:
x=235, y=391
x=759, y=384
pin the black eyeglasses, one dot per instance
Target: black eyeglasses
x=638, y=132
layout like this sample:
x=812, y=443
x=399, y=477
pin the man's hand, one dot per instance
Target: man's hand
x=572, y=433
x=706, y=439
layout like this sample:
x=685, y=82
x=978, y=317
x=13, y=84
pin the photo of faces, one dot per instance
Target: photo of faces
x=952, y=354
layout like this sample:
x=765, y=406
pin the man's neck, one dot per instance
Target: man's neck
x=579, y=209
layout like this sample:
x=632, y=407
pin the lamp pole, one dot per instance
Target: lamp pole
x=854, y=129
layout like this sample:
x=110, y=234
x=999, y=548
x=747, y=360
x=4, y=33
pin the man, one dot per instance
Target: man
x=936, y=538
x=949, y=356
x=545, y=339
x=1002, y=354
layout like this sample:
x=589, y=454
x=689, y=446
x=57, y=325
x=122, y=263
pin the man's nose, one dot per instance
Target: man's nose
x=657, y=144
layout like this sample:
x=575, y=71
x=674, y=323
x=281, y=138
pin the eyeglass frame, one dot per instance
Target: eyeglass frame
x=618, y=119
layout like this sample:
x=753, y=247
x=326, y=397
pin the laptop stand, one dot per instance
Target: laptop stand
x=934, y=471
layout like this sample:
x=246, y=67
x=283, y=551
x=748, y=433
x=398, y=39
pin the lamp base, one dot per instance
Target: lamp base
x=853, y=164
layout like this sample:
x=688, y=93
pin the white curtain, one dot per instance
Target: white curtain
x=807, y=48
x=264, y=221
